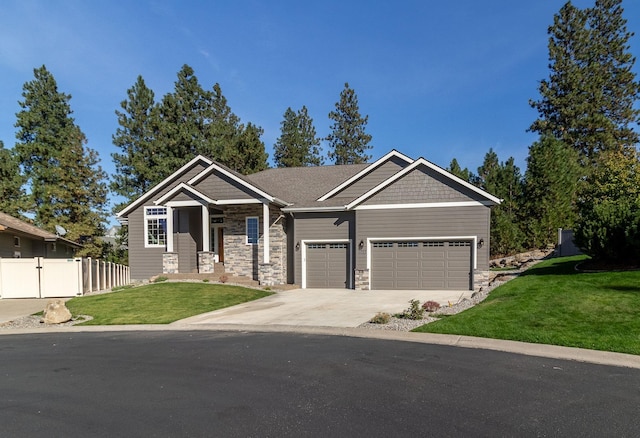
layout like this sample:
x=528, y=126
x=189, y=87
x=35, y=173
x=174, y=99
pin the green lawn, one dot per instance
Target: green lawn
x=552, y=303
x=160, y=303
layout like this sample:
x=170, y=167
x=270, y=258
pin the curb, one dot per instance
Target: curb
x=524, y=348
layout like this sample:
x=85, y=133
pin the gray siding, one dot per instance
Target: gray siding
x=337, y=225
x=423, y=185
x=424, y=222
x=372, y=179
x=144, y=262
x=7, y=247
x=218, y=186
x=175, y=181
x=186, y=237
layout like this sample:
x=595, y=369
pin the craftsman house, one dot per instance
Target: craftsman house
x=396, y=223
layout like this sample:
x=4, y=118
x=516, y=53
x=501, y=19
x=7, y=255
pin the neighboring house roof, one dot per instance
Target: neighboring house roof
x=13, y=225
x=313, y=188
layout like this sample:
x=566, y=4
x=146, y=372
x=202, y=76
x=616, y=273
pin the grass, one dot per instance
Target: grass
x=552, y=303
x=160, y=303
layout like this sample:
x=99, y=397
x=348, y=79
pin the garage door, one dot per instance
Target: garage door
x=421, y=265
x=327, y=265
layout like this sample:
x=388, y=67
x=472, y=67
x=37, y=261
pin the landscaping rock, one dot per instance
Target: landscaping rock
x=56, y=312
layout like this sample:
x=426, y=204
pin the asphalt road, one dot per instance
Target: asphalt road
x=219, y=384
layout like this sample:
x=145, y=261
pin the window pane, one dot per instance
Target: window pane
x=252, y=230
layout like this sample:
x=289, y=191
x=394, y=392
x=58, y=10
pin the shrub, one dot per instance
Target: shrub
x=206, y=280
x=380, y=318
x=414, y=311
x=160, y=279
x=431, y=306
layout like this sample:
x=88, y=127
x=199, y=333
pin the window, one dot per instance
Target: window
x=459, y=243
x=252, y=231
x=316, y=246
x=338, y=246
x=16, y=241
x=432, y=244
x=383, y=244
x=155, y=223
x=407, y=244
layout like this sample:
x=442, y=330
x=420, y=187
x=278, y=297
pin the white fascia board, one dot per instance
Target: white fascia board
x=425, y=205
x=365, y=171
x=312, y=209
x=178, y=188
x=412, y=166
x=213, y=167
x=158, y=186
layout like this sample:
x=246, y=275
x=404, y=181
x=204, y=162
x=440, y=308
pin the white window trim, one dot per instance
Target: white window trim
x=246, y=229
x=146, y=226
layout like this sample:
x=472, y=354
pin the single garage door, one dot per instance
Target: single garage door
x=327, y=265
x=428, y=265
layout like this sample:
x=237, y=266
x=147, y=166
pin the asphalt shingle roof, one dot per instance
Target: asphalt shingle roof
x=302, y=186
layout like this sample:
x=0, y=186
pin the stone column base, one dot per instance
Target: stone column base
x=206, y=261
x=269, y=274
x=170, y=263
x=480, y=280
x=362, y=279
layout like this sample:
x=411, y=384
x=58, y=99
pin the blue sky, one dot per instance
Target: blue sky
x=438, y=79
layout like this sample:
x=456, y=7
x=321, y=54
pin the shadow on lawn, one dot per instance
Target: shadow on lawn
x=559, y=267
x=624, y=288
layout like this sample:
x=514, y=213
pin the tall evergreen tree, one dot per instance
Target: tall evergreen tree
x=223, y=129
x=136, y=167
x=348, y=141
x=550, y=185
x=249, y=151
x=67, y=184
x=183, y=119
x=297, y=145
x=503, y=180
x=12, y=201
x=587, y=102
x=465, y=174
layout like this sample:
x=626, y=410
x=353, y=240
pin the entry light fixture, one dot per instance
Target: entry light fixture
x=298, y=246
x=361, y=245
x=480, y=243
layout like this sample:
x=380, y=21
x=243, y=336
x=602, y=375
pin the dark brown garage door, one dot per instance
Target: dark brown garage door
x=327, y=265
x=421, y=265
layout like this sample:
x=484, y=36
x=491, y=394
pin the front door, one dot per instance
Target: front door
x=220, y=248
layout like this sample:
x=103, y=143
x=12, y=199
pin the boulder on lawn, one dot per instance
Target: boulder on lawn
x=56, y=312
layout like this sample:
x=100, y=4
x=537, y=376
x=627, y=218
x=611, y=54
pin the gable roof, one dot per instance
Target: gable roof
x=15, y=225
x=155, y=189
x=422, y=162
x=365, y=171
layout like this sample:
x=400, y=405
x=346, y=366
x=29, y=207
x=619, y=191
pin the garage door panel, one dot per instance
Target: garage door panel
x=327, y=265
x=421, y=265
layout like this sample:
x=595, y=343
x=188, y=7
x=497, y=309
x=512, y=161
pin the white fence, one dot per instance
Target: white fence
x=40, y=277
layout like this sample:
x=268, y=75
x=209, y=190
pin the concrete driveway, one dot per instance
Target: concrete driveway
x=11, y=309
x=321, y=307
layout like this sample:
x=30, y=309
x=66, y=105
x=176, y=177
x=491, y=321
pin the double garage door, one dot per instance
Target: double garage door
x=395, y=265
x=421, y=265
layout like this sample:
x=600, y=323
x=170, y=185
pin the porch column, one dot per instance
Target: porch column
x=265, y=231
x=169, y=229
x=206, y=229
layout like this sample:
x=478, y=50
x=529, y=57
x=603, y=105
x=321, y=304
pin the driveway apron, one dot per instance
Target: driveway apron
x=322, y=307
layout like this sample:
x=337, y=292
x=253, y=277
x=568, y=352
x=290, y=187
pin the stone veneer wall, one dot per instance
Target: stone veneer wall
x=276, y=273
x=480, y=280
x=205, y=262
x=246, y=260
x=170, y=263
x=362, y=279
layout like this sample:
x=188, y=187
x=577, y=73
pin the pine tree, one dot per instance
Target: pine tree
x=348, y=141
x=11, y=181
x=587, y=102
x=464, y=174
x=504, y=181
x=550, y=185
x=183, y=119
x=297, y=145
x=67, y=184
x=136, y=166
x=250, y=155
x=223, y=129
